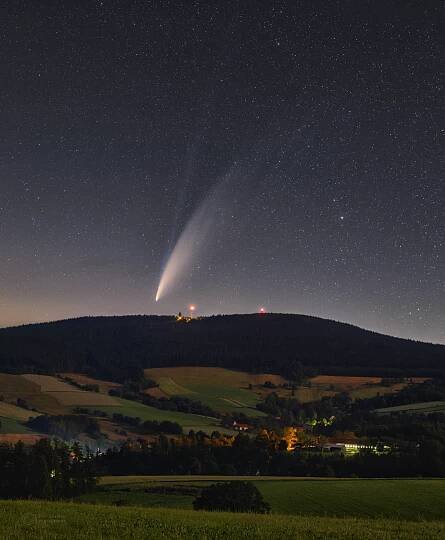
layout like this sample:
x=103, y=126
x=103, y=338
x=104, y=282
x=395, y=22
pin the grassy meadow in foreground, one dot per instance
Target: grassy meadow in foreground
x=42, y=520
x=405, y=499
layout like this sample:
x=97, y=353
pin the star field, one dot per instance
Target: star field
x=120, y=117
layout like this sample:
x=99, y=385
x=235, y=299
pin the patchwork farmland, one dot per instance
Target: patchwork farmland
x=227, y=390
x=221, y=389
x=43, y=394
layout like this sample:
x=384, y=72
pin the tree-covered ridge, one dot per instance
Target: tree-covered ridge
x=118, y=348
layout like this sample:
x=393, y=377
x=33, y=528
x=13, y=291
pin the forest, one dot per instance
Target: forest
x=118, y=348
x=46, y=470
x=421, y=453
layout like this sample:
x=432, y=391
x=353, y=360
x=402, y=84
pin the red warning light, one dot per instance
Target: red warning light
x=262, y=310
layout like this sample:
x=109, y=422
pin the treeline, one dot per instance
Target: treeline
x=89, y=387
x=252, y=456
x=405, y=431
x=404, y=428
x=180, y=404
x=65, y=427
x=290, y=411
x=117, y=348
x=47, y=470
x=173, y=403
x=431, y=390
x=147, y=427
x=134, y=387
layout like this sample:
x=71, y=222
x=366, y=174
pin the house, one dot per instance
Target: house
x=353, y=448
x=239, y=426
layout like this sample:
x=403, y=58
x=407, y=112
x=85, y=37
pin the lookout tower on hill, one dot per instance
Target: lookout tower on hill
x=180, y=317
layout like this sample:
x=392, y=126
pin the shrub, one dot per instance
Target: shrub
x=234, y=496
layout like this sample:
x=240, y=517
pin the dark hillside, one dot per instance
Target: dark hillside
x=113, y=347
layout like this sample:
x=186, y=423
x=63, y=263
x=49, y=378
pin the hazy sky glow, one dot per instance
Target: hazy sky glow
x=320, y=119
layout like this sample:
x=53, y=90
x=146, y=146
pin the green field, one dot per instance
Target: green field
x=9, y=410
x=144, y=412
x=43, y=520
x=401, y=499
x=12, y=425
x=426, y=407
x=408, y=499
x=223, y=390
x=12, y=418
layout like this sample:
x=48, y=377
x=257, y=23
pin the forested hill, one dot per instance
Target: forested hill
x=113, y=347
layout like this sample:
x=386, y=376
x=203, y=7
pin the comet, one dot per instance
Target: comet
x=229, y=194
x=193, y=238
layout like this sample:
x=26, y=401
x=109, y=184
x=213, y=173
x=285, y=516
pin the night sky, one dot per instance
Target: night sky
x=311, y=130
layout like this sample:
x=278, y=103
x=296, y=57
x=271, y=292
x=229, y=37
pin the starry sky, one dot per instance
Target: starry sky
x=321, y=119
